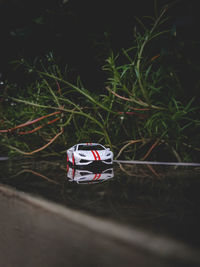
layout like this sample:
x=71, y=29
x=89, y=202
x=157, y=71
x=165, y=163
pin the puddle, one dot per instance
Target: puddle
x=161, y=199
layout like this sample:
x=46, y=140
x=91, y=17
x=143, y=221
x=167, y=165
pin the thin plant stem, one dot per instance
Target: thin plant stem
x=81, y=91
x=151, y=148
x=39, y=127
x=29, y=122
x=128, y=144
x=39, y=149
x=81, y=113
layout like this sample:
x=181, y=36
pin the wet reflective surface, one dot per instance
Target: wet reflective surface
x=89, y=176
x=161, y=199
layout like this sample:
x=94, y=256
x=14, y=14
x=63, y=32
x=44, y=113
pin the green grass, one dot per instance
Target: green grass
x=139, y=114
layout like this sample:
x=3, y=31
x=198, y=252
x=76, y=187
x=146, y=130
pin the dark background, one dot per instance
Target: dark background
x=80, y=33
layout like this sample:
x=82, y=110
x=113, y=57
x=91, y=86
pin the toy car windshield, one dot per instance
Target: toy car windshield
x=90, y=147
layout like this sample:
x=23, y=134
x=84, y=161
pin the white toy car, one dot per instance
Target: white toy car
x=87, y=153
x=89, y=177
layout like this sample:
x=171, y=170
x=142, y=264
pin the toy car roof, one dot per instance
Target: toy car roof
x=89, y=144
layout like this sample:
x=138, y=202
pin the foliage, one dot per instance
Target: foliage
x=140, y=111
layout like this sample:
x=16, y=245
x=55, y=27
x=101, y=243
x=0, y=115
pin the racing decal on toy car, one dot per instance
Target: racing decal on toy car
x=96, y=155
x=97, y=176
x=95, y=158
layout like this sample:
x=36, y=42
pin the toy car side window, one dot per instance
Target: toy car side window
x=75, y=147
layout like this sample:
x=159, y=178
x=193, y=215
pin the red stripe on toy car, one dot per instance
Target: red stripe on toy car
x=98, y=155
x=73, y=173
x=95, y=176
x=67, y=167
x=95, y=158
x=98, y=176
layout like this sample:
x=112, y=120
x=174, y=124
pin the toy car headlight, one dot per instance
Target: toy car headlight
x=108, y=154
x=82, y=155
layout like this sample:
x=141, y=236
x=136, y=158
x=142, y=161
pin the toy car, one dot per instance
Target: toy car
x=89, y=177
x=87, y=153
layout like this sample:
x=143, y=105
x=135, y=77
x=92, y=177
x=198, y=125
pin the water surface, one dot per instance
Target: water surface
x=161, y=199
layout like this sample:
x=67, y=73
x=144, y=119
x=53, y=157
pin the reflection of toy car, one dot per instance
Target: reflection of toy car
x=89, y=177
x=87, y=153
